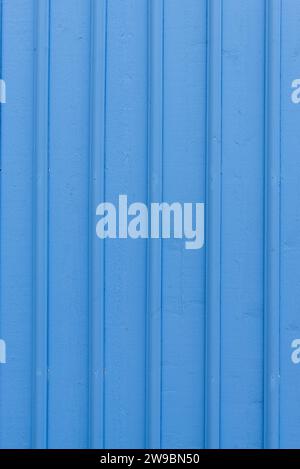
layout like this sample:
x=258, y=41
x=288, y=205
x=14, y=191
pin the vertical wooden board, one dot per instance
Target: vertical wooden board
x=16, y=223
x=290, y=226
x=242, y=279
x=183, y=271
x=69, y=157
x=126, y=165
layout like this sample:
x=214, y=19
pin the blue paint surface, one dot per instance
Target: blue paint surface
x=142, y=343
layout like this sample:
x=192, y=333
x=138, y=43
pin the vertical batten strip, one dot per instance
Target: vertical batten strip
x=1, y=77
x=155, y=171
x=214, y=222
x=40, y=223
x=1, y=209
x=97, y=247
x=273, y=220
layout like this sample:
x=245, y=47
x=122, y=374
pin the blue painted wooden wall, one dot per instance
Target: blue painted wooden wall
x=137, y=343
